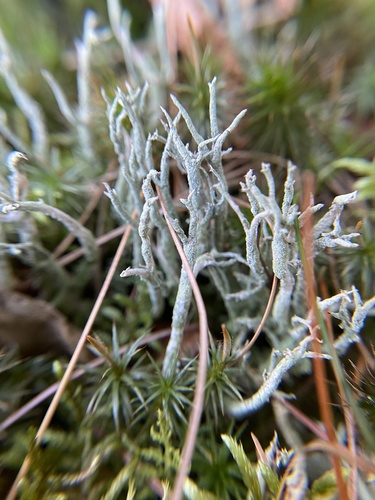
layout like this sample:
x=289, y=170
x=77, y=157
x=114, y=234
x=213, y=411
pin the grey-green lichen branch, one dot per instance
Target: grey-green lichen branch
x=270, y=234
x=272, y=379
x=204, y=208
x=327, y=232
x=349, y=308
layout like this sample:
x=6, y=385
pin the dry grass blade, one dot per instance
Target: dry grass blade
x=102, y=240
x=73, y=361
x=196, y=413
x=302, y=418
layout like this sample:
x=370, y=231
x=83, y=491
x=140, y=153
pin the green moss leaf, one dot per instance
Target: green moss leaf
x=247, y=469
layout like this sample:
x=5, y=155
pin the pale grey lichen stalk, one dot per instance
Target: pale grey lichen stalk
x=15, y=202
x=348, y=307
x=204, y=208
x=81, y=233
x=156, y=67
x=29, y=107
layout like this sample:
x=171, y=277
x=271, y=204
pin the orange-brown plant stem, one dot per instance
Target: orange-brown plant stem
x=318, y=363
x=348, y=414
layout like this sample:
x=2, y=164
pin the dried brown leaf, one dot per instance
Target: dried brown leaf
x=34, y=326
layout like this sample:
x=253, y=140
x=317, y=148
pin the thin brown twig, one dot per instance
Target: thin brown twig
x=73, y=361
x=102, y=240
x=198, y=402
x=246, y=348
x=98, y=191
x=369, y=358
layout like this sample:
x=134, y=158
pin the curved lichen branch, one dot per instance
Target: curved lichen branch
x=272, y=379
x=122, y=212
x=83, y=235
x=348, y=308
x=148, y=272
